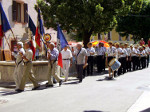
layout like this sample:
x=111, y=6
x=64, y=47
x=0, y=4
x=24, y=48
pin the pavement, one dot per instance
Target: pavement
x=127, y=93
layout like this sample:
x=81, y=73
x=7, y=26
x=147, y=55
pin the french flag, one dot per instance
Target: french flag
x=4, y=24
x=61, y=43
x=39, y=29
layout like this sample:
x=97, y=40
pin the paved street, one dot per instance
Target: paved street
x=128, y=93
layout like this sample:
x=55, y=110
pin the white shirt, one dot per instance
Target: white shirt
x=133, y=52
x=138, y=52
x=128, y=51
x=100, y=51
x=125, y=53
x=18, y=56
x=111, y=51
x=90, y=50
x=142, y=53
x=28, y=55
x=66, y=54
x=118, y=51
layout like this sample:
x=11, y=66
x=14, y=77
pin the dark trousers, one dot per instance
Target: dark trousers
x=80, y=71
x=133, y=61
x=99, y=63
x=120, y=69
x=103, y=63
x=90, y=65
x=147, y=60
x=143, y=62
x=124, y=65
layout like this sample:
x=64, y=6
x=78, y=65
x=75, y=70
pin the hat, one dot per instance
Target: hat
x=20, y=43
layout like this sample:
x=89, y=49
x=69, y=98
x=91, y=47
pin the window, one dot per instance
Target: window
x=20, y=12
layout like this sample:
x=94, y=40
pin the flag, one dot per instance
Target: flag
x=32, y=26
x=4, y=24
x=39, y=29
x=61, y=43
x=32, y=48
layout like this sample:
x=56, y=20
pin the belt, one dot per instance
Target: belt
x=65, y=59
x=25, y=63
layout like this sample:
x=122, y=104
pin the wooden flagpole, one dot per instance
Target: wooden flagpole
x=7, y=42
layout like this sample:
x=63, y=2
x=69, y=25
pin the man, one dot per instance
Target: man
x=141, y=42
x=128, y=63
x=18, y=72
x=66, y=57
x=27, y=70
x=52, y=56
x=118, y=56
x=142, y=57
x=81, y=60
x=148, y=53
x=100, y=58
x=111, y=52
x=104, y=60
x=133, y=57
x=124, y=57
x=90, y=54
x=137, y=57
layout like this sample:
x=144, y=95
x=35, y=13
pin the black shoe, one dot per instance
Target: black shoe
x=60, y=83
x=80, y=81
x=48, y=85
x=35, y=88
x=19, y=90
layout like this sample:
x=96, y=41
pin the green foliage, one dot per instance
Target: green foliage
x=136, y=23
x=85, y=16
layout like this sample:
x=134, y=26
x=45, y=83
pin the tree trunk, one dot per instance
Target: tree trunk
x=86, y=38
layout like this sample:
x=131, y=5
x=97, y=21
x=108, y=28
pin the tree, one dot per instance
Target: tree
x=136, y=24
x=85, y=16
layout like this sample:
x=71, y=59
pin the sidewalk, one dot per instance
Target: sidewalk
x=143, y=103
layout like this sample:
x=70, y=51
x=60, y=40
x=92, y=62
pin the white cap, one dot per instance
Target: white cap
x=52, y=44
x=20, y=43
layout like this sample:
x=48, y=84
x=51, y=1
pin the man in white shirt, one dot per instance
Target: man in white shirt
x=111, y=52
x=137, y=57
x=27, y=70
x=104, y=60
x=129, y=57
x=66, y=57
x=90, y=54
x=100, y=57
x=18, y=72
x=133, y=57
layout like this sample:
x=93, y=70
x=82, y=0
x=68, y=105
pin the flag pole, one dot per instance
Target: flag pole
x=7, y=42
x=13, y=34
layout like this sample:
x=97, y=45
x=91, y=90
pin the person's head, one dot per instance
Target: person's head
x=27, y=45
x=117, y=45
x=110, y=44
x=89, y=45
x=140, y=48
x=79, y=46
x=122, y=46
x=19, y=45
x=51, y=46
x=126, y=45
x=131, y=46
x=135, y=46
x=65, y=48
x=100, y=44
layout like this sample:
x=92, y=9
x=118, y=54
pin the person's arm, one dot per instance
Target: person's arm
x=28, y=57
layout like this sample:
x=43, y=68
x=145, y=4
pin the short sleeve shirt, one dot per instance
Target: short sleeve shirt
x=80, y=56
x=28, y=55
x=66, y=54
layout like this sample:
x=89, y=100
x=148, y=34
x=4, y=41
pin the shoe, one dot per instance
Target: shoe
x=80, y=81
x=60, y=83
x=48, y=85
x=35, y=88
x=19, y=90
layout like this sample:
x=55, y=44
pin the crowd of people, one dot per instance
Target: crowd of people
x=132, y=58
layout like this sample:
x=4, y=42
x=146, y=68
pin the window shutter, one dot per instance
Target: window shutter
x=25, y=13
x=14, y=11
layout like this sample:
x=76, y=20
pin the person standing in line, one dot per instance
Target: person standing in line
x=81, y=60
x=67, y=61
x=118, y=54
x=137, y=57
x=128, y=64
x=104, y=60
x=90, y=54
x=27, y=70
x=124, y=57
x=100, y=57
x=148, y=53
x=52, y=56
x=18, y=72
x=111, y=53
x=133, y=57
